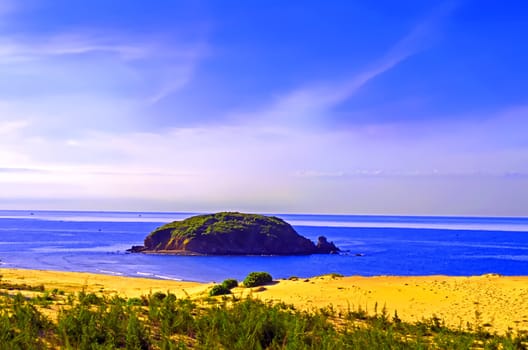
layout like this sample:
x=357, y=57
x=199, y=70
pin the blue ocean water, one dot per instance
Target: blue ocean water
x=375, y=245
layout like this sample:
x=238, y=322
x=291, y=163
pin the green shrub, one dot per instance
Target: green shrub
x=135, y=302
x=230, y=283
x=89, y=298
x=336, y=275
x=219, y=289
x=159, y=296
x=255, y=279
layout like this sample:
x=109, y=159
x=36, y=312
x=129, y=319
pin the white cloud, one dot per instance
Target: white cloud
x=143, y=68
x=11, y=126
x=313, y=103
x=73, y=42
x=178, y=76
x=320, y=174
x=241, y=167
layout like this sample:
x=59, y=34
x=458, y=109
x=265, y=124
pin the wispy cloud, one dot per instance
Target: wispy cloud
x=376, y=173
x=21, y=170
x=11, y=126
x=13, y=50
x=319, y=174
x=156, y=65
x=177, y=76
x=61, y=86
x=314, y=102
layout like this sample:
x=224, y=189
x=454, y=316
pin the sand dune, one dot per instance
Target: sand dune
x=496, y=302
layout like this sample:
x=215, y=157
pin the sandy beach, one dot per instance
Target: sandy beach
x=498, y=303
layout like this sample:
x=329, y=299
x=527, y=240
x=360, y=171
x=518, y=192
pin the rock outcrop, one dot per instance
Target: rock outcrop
x=230, y=233
x=325, y=247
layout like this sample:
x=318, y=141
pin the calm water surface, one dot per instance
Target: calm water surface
x=376, y=245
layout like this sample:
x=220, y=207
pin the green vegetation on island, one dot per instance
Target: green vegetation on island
x=223, y=222
x=232, y=233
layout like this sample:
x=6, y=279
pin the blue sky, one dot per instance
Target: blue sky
x=360, y=107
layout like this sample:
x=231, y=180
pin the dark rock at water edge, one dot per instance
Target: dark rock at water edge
x=136, y=249
x=231, y=233
x=325, y=247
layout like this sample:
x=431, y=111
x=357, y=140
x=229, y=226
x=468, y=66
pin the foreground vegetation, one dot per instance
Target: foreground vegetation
x=32, y=317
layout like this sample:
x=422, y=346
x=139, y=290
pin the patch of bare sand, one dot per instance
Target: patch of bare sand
x=124, y=286
x=496, y=302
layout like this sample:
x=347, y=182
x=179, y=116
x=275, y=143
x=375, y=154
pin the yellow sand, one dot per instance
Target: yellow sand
x=497, y=302
x=76, y=281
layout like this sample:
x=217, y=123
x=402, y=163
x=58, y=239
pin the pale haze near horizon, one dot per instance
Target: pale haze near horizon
x=408, y=109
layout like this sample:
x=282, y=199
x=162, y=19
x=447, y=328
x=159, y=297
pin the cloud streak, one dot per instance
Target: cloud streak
x=313, y=103
x=13, y=50
x=11, y=126
x=142, y=67
x=21, y=170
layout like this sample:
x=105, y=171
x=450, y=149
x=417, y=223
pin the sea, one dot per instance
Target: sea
x=90, y=241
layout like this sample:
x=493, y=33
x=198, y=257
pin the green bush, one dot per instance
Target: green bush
x=219, y=289
x=230, y=283
x=255, y=279
x=159, y=295
x=89, y=298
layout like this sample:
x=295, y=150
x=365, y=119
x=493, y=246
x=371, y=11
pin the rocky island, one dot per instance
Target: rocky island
x=231, y=233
